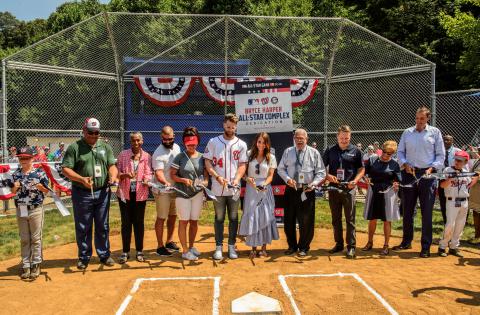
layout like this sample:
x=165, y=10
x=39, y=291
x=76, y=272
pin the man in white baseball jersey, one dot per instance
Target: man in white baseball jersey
x=225, y=160
x=165, y=201
x=457, y=191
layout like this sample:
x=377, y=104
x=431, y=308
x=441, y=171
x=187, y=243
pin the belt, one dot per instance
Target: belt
x=94, y=189
x=457, y=199
x=301, y=186
x=417, y=169
x=30, y=207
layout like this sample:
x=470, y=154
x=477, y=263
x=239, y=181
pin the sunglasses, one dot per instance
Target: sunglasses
x=168, y=139
x=257, y=169
x=93, y=133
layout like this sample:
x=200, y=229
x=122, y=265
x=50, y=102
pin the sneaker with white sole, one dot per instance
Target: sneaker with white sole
x=218, y=255
x=195, y=251
x=189, y=256
x=232, y=253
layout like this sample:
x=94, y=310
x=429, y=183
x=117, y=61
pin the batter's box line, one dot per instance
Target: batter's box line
x=136, y=286
x=289, y=294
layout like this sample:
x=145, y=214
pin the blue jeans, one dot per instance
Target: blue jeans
x=221, y=206
x=86, y=212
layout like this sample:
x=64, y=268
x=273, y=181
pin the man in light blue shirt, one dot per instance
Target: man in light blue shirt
x=420, y=152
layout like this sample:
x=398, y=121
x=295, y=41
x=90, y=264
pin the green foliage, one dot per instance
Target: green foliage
x=465, y=27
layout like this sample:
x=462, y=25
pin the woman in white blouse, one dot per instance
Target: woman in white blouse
x=258, y=221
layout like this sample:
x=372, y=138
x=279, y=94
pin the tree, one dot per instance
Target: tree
x=464, y=26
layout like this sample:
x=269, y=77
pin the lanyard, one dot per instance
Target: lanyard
x=340, y=159
x=297, y=154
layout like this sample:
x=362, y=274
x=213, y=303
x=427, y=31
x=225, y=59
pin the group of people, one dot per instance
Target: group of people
x=40, y=154
x=179, y=181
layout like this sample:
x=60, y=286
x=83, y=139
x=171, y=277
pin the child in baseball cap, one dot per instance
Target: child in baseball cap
x=29, y=184
x=457, y=191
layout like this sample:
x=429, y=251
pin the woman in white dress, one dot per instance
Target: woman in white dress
x=258, y=221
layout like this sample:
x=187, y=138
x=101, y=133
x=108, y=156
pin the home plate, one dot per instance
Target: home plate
x=254, y=303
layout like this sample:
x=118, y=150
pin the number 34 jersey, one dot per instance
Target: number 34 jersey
x=225, y=155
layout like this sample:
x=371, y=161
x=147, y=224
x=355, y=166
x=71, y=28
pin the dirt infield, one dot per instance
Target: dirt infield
x=409, y=284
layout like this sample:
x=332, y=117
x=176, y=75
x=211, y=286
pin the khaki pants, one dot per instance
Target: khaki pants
x=30, y=230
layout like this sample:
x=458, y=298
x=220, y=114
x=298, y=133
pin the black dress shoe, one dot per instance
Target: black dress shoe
x=351, y=253
x=290, y=251
x=336, y=249
x=425, y=253
x=402, y=247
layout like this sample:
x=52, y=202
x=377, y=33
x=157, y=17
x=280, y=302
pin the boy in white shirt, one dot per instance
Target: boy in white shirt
x=457, y=191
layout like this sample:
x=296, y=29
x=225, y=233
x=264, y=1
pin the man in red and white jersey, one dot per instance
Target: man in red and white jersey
x=225, y=160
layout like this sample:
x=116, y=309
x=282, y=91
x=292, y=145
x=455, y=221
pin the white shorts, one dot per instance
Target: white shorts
x=189, y=209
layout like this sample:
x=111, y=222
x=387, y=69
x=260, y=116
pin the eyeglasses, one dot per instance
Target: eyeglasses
x=93, y=133
x=257, y=169
x=168, y=139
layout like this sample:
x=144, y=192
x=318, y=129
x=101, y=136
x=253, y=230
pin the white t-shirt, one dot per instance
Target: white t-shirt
x=162, y=160
x=225, y=156
x=458, y=188
x=253, y=169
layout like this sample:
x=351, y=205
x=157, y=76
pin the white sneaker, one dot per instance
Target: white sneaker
x=218, y=253
x=189, y=256
x=232, y=254
x=195, y=251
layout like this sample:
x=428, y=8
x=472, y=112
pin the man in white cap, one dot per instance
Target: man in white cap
x=90, y=165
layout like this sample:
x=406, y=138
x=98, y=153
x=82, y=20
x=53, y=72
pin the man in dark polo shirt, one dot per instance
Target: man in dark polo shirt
x=90, y=165
x=345, y=169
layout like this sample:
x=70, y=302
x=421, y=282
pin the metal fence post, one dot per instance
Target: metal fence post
x=433, y=101
x=4, y=108
x=226, y=64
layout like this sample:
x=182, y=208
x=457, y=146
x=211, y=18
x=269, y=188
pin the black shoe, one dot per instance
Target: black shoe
x=290, y=251
x=402, y=247
x=35, y=271
x=108, y=261
x=302, y=253
x=162, y=251
x=82, y=265
x=455, y=252
x=172, y=247
x=442, y=252
x=336, y=249
x=425, y=253
x=351, y=253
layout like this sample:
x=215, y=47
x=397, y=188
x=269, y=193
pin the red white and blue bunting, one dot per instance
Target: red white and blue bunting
x=52, y=169
x=165, y=92
x=174, y=91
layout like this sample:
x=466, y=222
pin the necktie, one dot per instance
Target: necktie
x=447, y=153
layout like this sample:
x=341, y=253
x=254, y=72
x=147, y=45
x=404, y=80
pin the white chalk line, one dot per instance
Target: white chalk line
x=289, y=294
x=138, y=281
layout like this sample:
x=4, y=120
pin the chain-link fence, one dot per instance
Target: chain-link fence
x=458, y=114
x=89, y=69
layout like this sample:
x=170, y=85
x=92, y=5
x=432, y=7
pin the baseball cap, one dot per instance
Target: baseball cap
x=25, y=151
x=462, y=155
x=190, y=140
x=92, y=124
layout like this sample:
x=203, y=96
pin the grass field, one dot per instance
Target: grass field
x=60, y=230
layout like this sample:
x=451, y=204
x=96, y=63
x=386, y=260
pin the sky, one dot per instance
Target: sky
x=28, y=10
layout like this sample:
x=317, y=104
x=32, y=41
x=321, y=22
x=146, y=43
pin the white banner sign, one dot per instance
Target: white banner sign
x=263, y=106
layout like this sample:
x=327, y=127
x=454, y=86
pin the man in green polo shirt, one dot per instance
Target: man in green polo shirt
x=90, y=165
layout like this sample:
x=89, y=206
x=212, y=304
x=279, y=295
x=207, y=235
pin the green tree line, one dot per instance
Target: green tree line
x=443, y=31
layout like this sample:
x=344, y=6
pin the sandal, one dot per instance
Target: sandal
x=385, y=251
x=263, y=253
x=368, y=247
x=123, y=258
x=140, y=257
